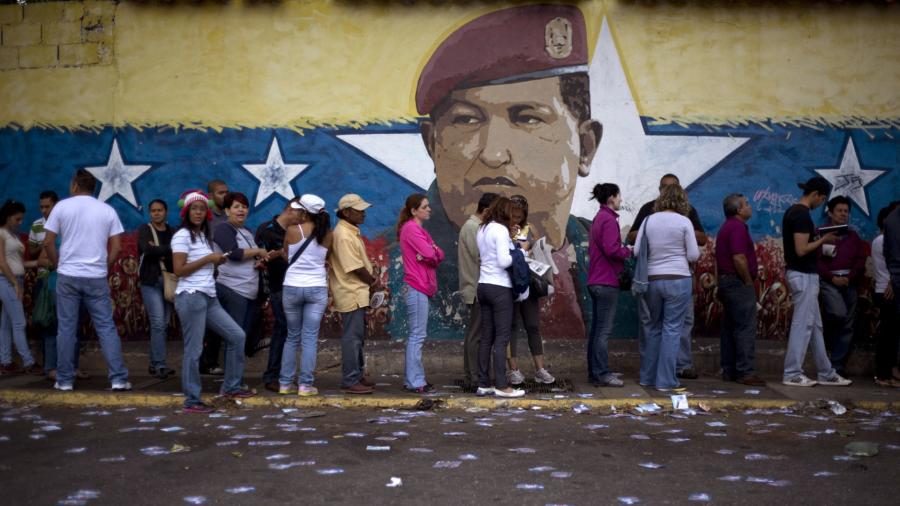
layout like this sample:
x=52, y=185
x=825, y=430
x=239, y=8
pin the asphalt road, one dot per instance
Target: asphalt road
x=268, y=456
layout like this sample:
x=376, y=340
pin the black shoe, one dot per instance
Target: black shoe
x=688, y=374
x=160, y=372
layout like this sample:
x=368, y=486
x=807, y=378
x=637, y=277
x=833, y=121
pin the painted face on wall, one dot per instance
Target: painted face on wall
x=517, y=138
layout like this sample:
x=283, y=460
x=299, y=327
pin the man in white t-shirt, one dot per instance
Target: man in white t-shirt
x=86, y=228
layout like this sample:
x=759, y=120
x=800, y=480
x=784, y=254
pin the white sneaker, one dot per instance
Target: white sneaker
x=481, y=392
x=516, y=392
x=800, y=381
x=515, y=377
x=542, y=376
x=63, y=388
x=835, y=381
x=121, y=386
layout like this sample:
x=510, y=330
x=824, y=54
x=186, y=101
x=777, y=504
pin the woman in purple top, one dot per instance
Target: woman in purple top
x=607, y=259
x=421, y=257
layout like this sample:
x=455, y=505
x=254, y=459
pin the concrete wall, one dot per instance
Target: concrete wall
x=729, y=96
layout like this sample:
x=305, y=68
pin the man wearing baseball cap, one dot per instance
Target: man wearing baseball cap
x=800, y=257
x=352, y=282
x=507, y=97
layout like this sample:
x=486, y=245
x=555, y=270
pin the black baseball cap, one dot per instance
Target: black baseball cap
x=817, y=183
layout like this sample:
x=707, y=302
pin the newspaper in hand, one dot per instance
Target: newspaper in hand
x=539, y=268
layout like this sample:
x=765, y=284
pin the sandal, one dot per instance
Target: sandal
x=888, y=383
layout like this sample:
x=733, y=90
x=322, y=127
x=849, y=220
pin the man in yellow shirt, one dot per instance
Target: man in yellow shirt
x=352, y=283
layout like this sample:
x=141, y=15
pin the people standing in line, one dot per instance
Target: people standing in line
x=270, y=236
x=800, y=251
x=527, y=311
x=469, y=265
x=892, y=262
x=90, y=231
x=887, y=336
x=352, y=283
x=305, y=292
x=197, y=305
x=421, y=257
x=607, y=257
x=672, y=246
x=155, y=251
x=36, y=234
x=496, y=298
x=237, y=284
x=12, y=289
x=737, y=267
x=841, y=267
x=684, y=367
x=212, y=344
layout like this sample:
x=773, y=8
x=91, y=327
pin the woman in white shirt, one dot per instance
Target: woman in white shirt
x=495, y=298
x=305, y=293
x=672, y=245
x=886, y=347
x=194, y=261
x=12, y=272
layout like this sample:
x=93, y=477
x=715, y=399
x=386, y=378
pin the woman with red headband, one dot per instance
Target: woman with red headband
x=194, y=261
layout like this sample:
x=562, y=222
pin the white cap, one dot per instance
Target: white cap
x=310, y=203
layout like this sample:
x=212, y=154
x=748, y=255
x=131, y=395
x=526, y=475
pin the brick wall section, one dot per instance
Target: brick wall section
x=57, y=34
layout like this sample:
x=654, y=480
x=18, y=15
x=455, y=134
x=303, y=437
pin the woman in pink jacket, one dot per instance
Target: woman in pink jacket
x=607, y=259
x=421, y=257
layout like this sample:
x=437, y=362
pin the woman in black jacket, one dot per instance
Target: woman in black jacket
x=155, y=248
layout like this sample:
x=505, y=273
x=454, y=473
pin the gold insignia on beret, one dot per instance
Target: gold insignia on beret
x=558, y=38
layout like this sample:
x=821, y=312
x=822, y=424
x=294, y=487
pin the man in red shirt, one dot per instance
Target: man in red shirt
x=737, y=267
x=841, y=267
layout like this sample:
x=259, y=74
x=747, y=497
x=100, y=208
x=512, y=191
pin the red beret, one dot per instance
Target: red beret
x=510, y=45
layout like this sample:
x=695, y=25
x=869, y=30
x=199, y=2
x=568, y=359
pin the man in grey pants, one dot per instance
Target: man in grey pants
x=469, y=264
x=800, y=252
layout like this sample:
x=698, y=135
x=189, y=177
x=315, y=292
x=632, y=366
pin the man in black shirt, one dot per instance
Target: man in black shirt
x=800, y=257
x=684, y=366
x=270, y=235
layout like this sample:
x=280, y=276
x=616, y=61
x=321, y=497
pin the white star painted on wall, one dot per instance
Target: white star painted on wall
x=116, y=178
x=850, y=179
x=275, y=176
x=627, y=155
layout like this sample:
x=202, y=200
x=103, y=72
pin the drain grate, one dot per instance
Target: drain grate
x=560, y=386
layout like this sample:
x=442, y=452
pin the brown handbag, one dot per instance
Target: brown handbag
x=170, y=280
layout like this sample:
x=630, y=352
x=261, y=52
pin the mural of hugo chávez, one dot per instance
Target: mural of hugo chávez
x=507, y=97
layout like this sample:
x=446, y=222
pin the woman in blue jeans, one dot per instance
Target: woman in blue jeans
x=672, y=245
x=12, y=272
x=305, y=293
x=421, y=257
x=607, y=260
x=155, y=250
x=197, y=306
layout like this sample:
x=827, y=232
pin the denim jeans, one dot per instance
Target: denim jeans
x=417, y=313
x=279, y=335
x=605, y=299
x=496, y=326
x=71, y=293
x=12, y=324
x=528, y=312
x=685, y=359
x=303, y=309
x=738, y=335
x=353, y=340
x=158, y=312
x=471, y=343
x=196, y=311
x=668, y=301
x=839, y=316
x=806, y=327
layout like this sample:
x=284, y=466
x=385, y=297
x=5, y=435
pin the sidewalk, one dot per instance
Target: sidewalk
x=571, y=390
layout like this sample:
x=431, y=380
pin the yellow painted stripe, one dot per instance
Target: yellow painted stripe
x=81, y=399
x=298, y=63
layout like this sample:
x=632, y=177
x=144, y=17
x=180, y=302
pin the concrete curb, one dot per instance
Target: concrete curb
x=84, y=399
